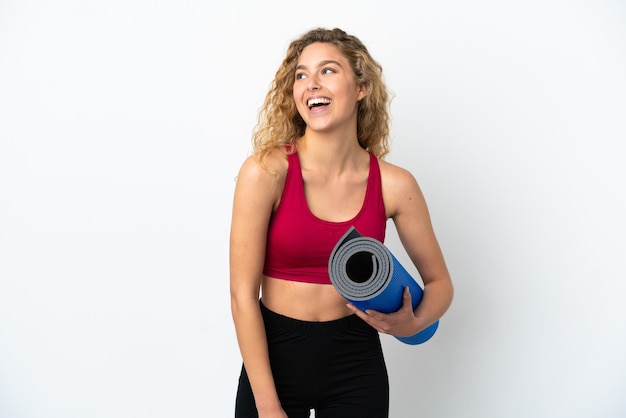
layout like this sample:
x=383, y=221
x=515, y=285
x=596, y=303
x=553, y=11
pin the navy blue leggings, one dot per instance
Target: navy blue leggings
x=336, y=368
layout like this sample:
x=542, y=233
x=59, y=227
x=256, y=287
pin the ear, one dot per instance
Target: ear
x=361, y=92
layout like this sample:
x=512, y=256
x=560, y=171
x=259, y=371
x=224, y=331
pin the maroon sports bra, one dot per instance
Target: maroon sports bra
x=299, y=243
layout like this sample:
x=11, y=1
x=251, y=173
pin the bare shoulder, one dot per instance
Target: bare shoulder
x=396, y=174
x=274, y=166
x=263, y=181
x=400, y=188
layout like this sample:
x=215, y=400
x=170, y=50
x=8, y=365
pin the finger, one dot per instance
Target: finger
x=367, y=317
x=352, y=307
x=376, y=315
x=407, y=302
x=361, y=314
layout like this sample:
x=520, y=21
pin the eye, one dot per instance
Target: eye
x=327, y=71
x=300, y=76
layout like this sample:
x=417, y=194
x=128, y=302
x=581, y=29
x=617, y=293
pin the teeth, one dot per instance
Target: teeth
x=318, y=101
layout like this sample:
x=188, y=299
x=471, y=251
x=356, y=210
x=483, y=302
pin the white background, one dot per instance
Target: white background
x=123, y=124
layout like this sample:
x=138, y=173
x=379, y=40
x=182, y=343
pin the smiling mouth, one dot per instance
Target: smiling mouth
x=318, y=102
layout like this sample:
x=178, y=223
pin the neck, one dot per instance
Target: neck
x=330, y=153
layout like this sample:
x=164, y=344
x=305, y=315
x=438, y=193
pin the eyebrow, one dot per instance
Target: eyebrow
x=320, y=64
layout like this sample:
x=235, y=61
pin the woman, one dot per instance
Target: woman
x=316, y=170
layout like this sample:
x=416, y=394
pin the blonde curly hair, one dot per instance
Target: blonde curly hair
x=280, y=124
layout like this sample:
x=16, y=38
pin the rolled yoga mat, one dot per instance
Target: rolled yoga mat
x=367, y=274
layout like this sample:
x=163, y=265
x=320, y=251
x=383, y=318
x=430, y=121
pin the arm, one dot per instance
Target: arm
x=256, y=194
x=406, y=205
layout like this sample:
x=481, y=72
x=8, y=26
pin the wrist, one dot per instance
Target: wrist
x=418, y=325
x=269, y=403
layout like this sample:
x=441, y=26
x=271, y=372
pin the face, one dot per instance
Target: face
x=325, y=90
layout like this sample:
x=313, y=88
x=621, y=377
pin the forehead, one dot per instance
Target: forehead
x=321, y=51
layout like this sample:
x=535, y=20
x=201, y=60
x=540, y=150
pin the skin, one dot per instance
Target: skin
x=335, y=170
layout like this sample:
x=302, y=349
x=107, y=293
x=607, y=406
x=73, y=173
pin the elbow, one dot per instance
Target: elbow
x=243, y=299
x=448, y=289
x=449, y=293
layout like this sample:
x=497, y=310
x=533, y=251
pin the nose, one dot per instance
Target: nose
x=313, y=83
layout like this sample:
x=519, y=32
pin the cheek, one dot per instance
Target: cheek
x=297, y=88
x=297, y=97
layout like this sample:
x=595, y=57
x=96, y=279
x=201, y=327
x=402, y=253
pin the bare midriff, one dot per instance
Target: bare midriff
x=304, y=301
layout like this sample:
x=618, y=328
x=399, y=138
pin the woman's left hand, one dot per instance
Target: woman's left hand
x=402, y=323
